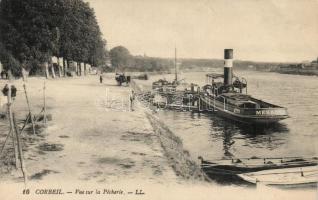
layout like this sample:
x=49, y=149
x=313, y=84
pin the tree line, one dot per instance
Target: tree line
x=33, y=31
x=122, y=60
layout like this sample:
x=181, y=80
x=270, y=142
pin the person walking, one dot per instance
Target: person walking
x=101, y=79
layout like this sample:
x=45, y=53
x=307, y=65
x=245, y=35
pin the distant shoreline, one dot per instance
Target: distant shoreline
x=303, y=72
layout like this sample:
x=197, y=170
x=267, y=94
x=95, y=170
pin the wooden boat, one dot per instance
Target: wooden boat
x=285, y=178
x=227, y=170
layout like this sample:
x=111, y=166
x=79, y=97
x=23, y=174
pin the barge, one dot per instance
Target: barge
x=228, y=99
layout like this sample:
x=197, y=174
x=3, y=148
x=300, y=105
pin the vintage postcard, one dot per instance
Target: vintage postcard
x=158, y=99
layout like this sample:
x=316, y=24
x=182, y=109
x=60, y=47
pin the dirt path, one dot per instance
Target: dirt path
x=91, y=138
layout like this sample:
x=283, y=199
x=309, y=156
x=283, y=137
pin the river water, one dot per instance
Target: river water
x=212, y=137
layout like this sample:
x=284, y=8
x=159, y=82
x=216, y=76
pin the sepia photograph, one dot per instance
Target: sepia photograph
x=158, y=99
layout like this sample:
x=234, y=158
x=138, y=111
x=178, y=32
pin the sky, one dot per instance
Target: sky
x=258, y=30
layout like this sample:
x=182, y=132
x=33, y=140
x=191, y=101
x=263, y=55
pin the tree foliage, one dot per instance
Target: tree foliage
x=31, y=31
x=120, y=57
x=122, y=60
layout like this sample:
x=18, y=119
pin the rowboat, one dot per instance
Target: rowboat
x=227, y=170
x=284, y=178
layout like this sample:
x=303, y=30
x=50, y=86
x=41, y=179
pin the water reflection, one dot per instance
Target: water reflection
x=215, y=137
x=231, y=133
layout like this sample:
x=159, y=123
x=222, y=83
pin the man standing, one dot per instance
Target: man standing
x=101, y=79
x=132, y=98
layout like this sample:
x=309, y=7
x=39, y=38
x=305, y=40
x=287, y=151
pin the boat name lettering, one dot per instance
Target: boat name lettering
x=270, y=112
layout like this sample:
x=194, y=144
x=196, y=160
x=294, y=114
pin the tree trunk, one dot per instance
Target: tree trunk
x=59, y=67
x=67, y=64
x=52, y=68
x=79, y=69
x=76, y=68
x=53, y=71
x=85, y=70
x=64, y=67
x=46, y=65
x=23, y=74
x=82, y=69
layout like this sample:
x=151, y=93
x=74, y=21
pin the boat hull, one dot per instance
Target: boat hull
x=229, y=171
x=250, y=119
x=217, y=107
x=284, y=178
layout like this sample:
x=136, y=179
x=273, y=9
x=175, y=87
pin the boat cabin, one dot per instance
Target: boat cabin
x=218, y=87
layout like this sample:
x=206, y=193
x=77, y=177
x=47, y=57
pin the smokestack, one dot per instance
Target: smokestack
x=228, y=64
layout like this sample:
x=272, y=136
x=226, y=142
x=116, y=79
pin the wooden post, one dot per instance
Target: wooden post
x=25, y=123
x=5, y=142
x=30, y=113
x=12, y=125
x=44, y=104
x=19, y=149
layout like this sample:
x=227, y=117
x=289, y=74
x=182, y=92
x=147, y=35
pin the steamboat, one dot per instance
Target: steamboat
x=229, y=98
